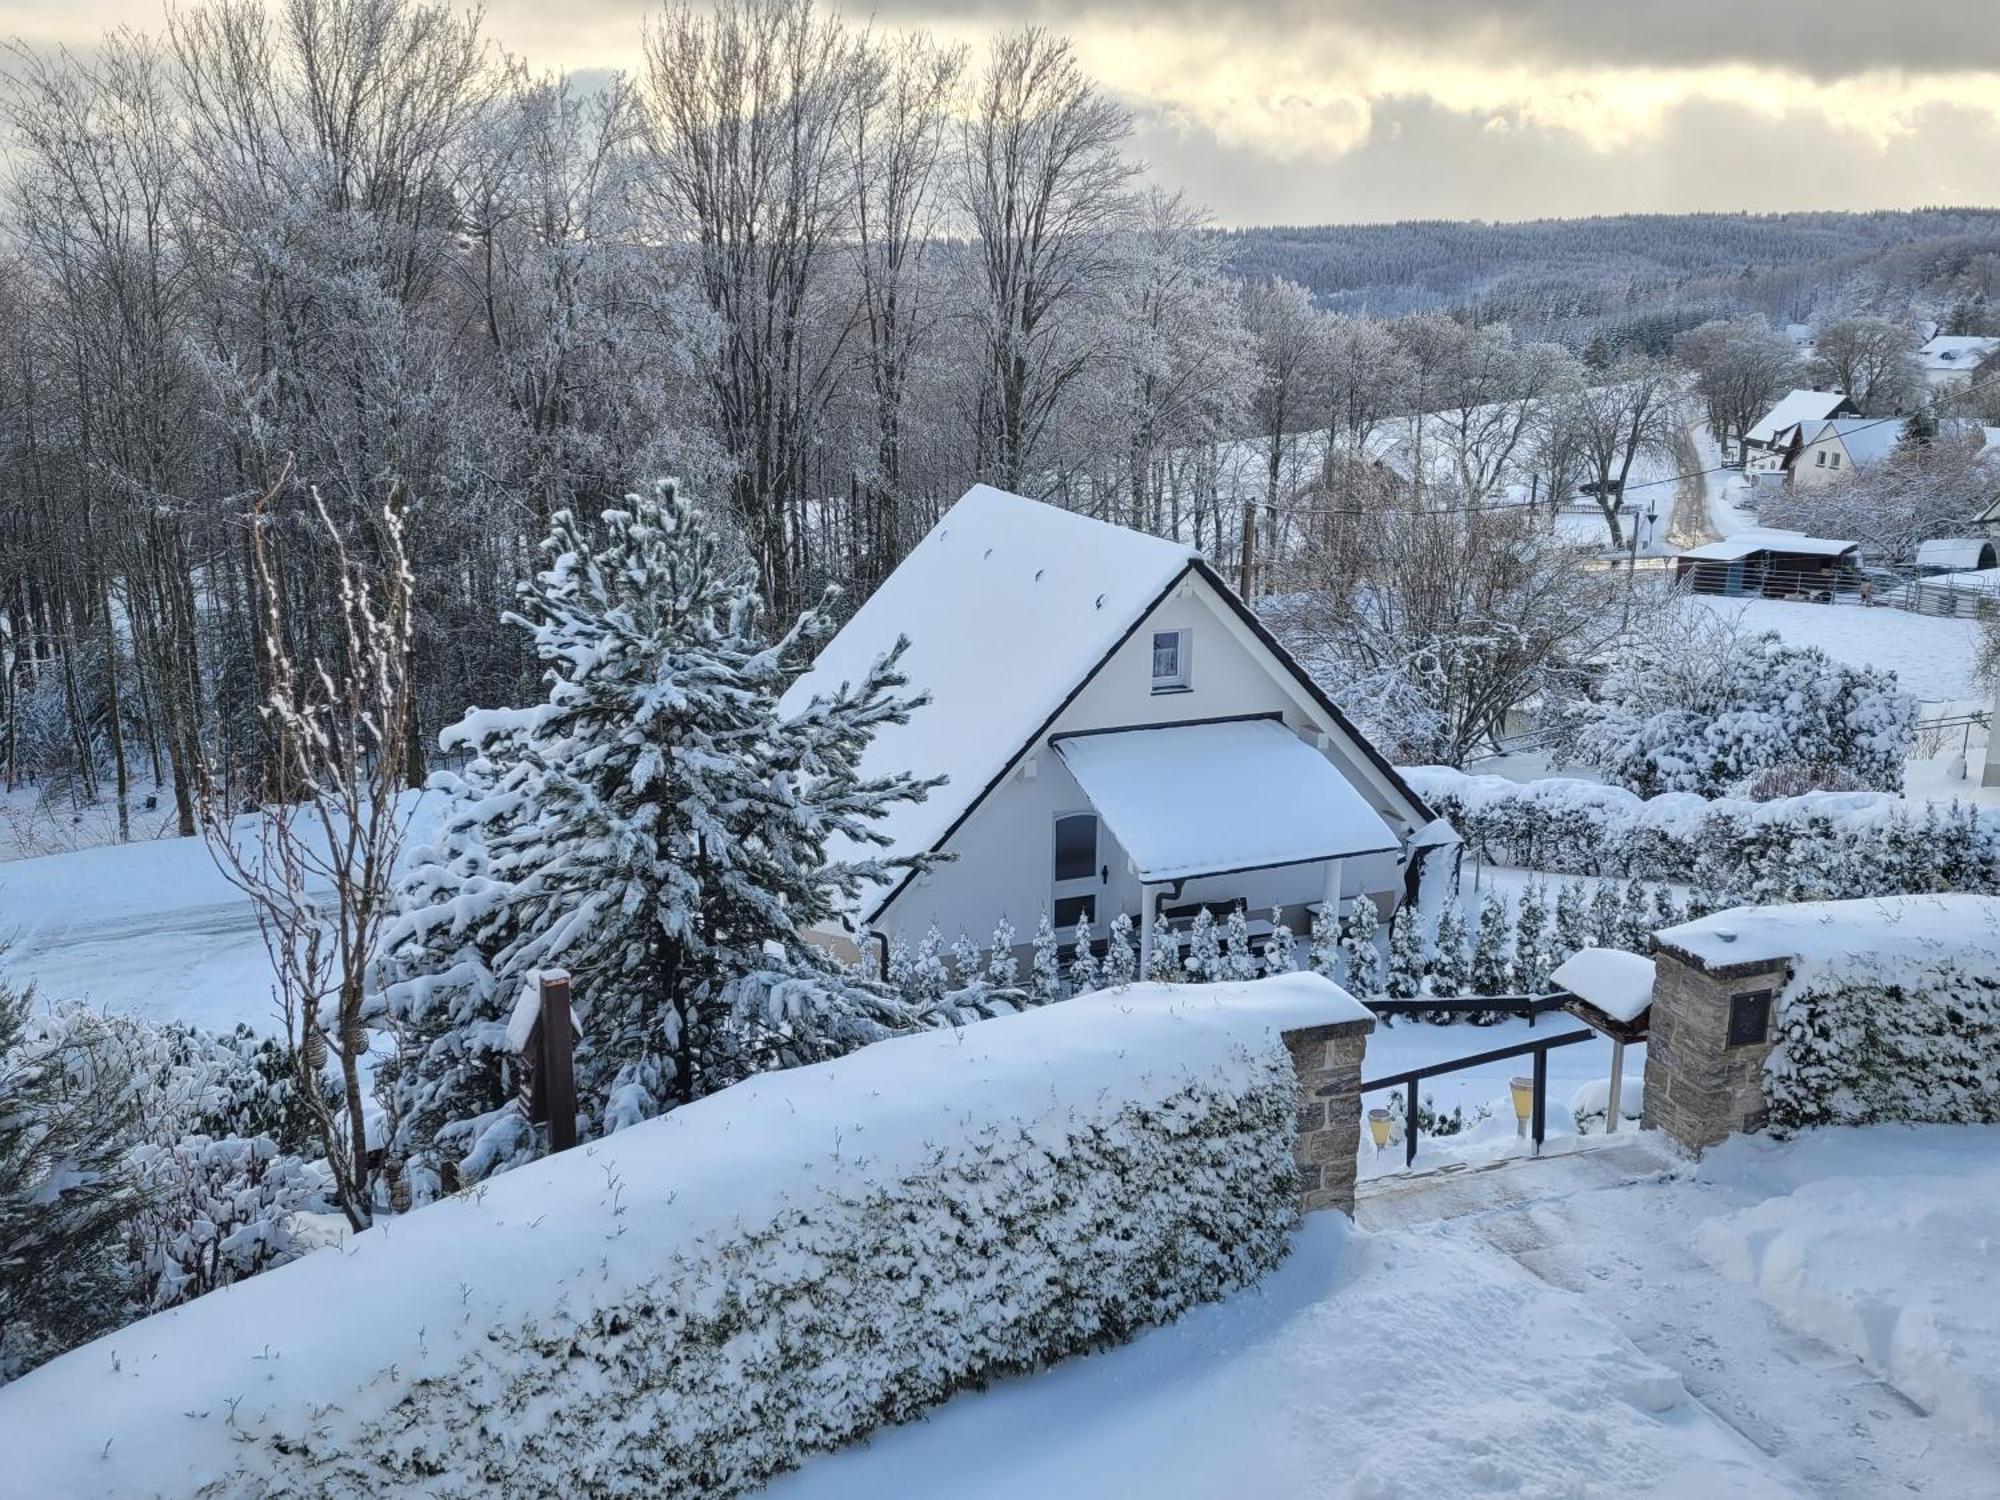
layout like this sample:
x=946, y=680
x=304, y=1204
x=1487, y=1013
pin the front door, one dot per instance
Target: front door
x=1079, y=871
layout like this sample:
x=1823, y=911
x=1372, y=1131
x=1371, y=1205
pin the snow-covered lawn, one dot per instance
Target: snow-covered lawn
x=1371, y=1365
x=1934, y=658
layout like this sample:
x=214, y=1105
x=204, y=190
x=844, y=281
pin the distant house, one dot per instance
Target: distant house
x=1771, y=434
x=1773, y=564
x=1826, y=451
x=1951, y=360
x=1120, y=734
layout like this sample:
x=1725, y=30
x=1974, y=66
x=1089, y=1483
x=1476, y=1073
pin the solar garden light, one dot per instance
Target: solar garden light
x=1378, y=1128
x=1523, y=1090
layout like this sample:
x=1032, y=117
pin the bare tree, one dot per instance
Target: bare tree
x=1873, y=360
x=1044, y=188
x=1289, y=338
x=1635, y=413
x=318, y=870
x=1740, y=366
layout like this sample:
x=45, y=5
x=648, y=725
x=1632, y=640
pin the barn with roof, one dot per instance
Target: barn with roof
x=1119, y=734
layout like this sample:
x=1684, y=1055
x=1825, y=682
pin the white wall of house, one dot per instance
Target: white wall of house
x=1005, y=849
x=1821, y=461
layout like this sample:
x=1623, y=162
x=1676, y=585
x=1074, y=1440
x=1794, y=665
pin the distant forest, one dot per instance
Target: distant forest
x=1635, y=280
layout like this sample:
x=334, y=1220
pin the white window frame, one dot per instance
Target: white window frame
x=1181, y=680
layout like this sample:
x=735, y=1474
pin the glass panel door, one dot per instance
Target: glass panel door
x=1078, y=873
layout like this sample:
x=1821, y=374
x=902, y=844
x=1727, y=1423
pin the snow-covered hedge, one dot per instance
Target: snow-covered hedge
x=696, y=1303
x=1821, y=846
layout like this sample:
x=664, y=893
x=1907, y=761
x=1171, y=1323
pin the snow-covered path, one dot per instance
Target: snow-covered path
x=1628, y=1241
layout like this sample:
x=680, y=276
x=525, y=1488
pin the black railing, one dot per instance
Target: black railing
x=1539, y=1049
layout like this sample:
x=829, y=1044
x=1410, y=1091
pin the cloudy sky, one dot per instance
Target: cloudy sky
x=1314, y=111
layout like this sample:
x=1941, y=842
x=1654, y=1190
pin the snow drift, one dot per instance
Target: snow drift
x=694, y=1304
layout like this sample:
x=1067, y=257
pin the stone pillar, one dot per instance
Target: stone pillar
x=1712, y=1027
x=1328, y=1062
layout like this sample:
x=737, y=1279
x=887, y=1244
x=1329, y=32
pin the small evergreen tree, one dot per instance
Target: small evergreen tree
x=1238, y=961
x=1085, y=972
x=1635, y=919
x=1604, y=916
x=1324, y=954
x=1281, y=953
x=1533, y=939
x=1045, y=981
x=968, y=965
x=1204, y=960
x=1405, y=979
x=1449, y=965
x=1359, y=951
x=1003, y=969
x=1121, y=955
x=1492, y=966
x=929, y=977
x=1166, y=956
x=1571, y=932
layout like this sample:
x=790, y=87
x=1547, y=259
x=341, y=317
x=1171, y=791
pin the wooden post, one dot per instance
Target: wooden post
x=558, y=1062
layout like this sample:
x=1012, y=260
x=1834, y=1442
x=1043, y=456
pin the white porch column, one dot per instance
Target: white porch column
x=1330, y=890
x=1149, y=897
x=1617, y=1085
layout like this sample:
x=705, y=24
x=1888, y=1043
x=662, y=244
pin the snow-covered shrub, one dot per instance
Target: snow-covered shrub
x=1360, y=952
x=1819, y=846
x=1860, y=1041
x=1703, y=707
x=694, y=1305
x=214, y=1211
x=67, y=1110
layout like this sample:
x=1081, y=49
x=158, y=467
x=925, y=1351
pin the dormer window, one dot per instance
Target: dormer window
x=1170, y=660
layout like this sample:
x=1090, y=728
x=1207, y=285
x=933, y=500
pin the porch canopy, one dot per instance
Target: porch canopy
x=1187, y=800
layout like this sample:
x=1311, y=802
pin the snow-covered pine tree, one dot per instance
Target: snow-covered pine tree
x=897, y=968
x=1571, y=932
x=1604, y=915
x=1635, y=918
x=1361, y=955
x=1003, y=969
x=1281, y=953
x=1324, y=952
x=1405, y=979
x=930, y=977
x=1166, y=957
x=1238, y=961
x=1121, y=953
x=658, y=827
x=1533, y=939
x=1085, y=974
x=1449, y=965
x=1204, y=957
x=1045, y=980
x=66, y=1119
x=1492, y=971
x=968, y=965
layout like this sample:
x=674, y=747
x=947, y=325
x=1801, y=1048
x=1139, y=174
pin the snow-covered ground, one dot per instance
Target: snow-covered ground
x=1934, y=658
x=1553, y=1328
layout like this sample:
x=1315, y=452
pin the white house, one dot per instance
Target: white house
x=1119, y=734
x=1950, y=360
x=1773, y=432
x=1830, y=450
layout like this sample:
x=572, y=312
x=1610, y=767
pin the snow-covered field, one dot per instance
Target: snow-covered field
x=1934, y=658
x=1556, y=1330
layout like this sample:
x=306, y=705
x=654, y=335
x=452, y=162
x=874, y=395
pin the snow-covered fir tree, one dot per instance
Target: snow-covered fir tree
x=968, y=964
x=1166, y=966
x=1281, y=953
x=1085, y=972
x=1668, y=909
x=1405, y=977
x=1492, y=970
x=1121, y=953
x=1360, y=953
x=1571, y=931
x=1238, y=961
x=1635, y=918
x=1003, y=969
x=1534, y=939
x=1450, y=962
x=1204, y=955
x=929, y=976
x=658, y=827
x=1604, y=916
x=1323, y=954
x=1045, y=979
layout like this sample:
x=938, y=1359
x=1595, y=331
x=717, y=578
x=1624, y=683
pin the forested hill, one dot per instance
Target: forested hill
x=1540, y=271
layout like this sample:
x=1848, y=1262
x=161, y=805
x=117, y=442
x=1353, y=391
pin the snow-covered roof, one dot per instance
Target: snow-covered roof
x=1866, y=439
x=1008, y=605
x=1207, y=799
x=1618, y=983
x=1956, y=351
x=1955, y=553
x=1797, y=407
x=1876, y=928
x=1765, y=539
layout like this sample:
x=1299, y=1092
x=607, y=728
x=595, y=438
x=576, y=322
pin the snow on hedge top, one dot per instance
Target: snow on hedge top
x=1618, y=983
x=1877, y=930
x=1008, y=605
x=159, y=1406
x=1268, y=798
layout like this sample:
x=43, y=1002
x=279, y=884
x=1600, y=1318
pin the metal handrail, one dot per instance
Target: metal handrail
x=1414, y=1076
